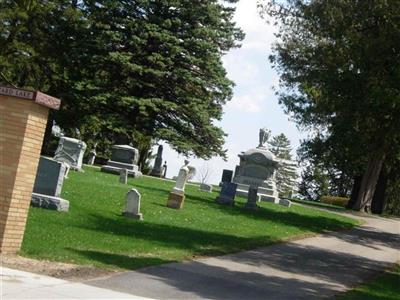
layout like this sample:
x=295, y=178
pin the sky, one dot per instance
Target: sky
x=254, y=104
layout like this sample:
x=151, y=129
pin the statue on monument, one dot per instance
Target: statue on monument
x=263, y=137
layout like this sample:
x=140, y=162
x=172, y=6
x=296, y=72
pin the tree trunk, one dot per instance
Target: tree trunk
x=369, y=181
x=378, y=201
x=354, y=192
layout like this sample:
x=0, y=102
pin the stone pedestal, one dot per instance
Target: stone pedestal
x=175, y=200
x=23, y=119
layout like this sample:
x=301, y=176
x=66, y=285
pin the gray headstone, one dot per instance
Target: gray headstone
x=49, y=177
x=91, y=158
x=125, y=154
x=123, y=157
x=206, y=187
x=48, y=185
x=285, y=202
x=123, y=176
x=132, y=205
x=252, y=198
x=227, y=194
x=70, y=151
x=157, y=168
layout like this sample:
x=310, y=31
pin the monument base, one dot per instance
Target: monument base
x=49, y=202
x=175, y=200
x=225, y=201
x=116, y=170
x=138, y=216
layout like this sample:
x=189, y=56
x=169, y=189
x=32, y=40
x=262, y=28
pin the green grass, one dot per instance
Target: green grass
x=386, y=286
x=318, y=204
x=94, y=232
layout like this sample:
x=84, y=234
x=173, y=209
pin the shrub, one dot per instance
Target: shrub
x=333, y=200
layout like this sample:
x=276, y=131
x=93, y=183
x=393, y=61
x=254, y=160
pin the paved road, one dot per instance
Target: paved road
x=312, y=268
x=15, y=284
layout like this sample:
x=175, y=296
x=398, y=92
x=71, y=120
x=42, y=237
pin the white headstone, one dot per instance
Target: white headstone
x=132, y=205
x=70, y=151
x=181, y=179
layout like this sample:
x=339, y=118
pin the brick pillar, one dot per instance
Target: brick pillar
x=23, y=119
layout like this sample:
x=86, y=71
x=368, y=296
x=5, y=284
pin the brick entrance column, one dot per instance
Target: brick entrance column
x=23, y=119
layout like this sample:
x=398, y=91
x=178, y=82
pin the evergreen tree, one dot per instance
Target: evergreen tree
x=286, y=174
x=127, y=69
x=339, y=65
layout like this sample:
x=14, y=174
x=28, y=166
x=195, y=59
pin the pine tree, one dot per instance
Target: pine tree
x=286, y=175
x=125, y=68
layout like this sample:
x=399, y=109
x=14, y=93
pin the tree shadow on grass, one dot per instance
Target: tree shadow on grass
x=202, y=242
x=198, y=241
x=119, y=260
x=314, y=223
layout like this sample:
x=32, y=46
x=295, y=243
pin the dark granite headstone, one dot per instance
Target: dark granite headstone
x=48, y=185
x=49, y=177
x=227, y=194
x=226, y=176
x=252, y=198
x=157, y=170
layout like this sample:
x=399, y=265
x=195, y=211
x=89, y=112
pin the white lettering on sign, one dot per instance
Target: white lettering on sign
x=16, y=93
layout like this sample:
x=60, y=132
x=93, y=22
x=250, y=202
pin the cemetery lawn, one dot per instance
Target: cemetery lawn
x=386, y=286
x=94, y=232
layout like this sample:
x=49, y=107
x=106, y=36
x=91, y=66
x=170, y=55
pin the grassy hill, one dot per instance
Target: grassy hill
x=94, y=232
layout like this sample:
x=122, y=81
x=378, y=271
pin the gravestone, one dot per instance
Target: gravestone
x=226, y=176
x=252, y=199
x=92, y=155
x=70, y=151
x=48, y=185
x=164, y=170
x=227, y=194
x=123, y=157
x=177, y=195
x=132, y=205
x=285, y=202
x=157, y=170
x=181, y=180
x=206, y=187
x=257, y=168
x=123, y=176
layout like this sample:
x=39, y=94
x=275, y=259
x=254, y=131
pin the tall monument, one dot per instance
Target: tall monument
x=257, y=169
x=157, y=170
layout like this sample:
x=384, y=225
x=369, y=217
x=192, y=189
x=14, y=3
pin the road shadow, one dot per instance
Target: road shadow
x=286, y=271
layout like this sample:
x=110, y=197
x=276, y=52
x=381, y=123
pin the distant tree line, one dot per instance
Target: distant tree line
x=339, y=64
x=126, y=71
